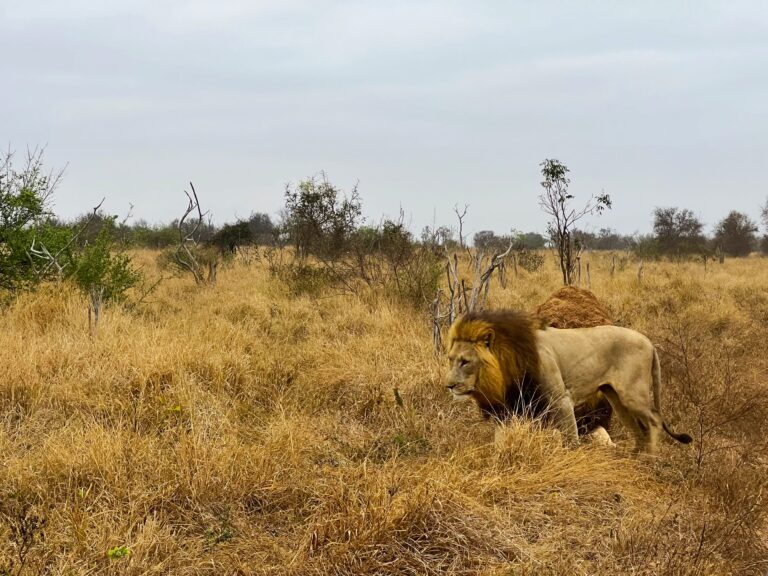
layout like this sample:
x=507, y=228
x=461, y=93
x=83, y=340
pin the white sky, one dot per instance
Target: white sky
x=426, y=103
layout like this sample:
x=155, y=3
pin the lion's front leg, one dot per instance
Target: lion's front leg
x=561, y=408
x=565, y=418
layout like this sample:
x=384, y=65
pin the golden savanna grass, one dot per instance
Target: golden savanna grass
x=240, y=429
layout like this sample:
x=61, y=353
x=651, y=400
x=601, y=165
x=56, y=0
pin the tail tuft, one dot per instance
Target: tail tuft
x=683, y=438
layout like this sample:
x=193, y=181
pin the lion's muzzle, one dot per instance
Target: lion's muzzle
x=459, y=385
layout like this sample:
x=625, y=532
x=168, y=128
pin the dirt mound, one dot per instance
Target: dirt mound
x=572, y=307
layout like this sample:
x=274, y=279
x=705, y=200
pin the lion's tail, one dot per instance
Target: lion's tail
x=656, y=373
x=681, y=437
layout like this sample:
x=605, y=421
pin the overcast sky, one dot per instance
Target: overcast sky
x=425, y=103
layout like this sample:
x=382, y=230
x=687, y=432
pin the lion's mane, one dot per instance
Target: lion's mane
x=510, y=364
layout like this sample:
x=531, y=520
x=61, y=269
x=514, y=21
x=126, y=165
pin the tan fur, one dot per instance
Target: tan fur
x=510, y=364
x=599, y=437
x=574, y=307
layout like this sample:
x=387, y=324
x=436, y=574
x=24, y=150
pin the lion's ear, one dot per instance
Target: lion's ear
x=487, y=337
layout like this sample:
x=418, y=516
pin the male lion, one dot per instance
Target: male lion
x=510, y=363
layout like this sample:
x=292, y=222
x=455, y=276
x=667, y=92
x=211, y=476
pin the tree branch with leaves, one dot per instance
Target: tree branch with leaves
x=555, y=201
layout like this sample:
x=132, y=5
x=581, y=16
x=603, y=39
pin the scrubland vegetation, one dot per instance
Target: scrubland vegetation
x=248, y=427
x=269, y=399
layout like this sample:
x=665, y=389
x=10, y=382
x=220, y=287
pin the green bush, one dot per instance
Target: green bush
x=103, y=276
x=24, y=196
x=319, y=220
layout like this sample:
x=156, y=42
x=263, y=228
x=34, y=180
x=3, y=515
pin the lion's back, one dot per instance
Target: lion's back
x=589, y=357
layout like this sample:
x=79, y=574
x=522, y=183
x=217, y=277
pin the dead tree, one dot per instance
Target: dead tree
x=461, y=215
x=454, y=287
x=457, y=294
x=437, y=318
x=187, y=256
x=482, y=281
x=460, y=298
x=95, y=301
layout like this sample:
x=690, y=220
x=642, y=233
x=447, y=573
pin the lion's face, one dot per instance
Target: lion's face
x=465, y=363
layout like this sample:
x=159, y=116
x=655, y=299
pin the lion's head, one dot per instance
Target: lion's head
x=494, y=360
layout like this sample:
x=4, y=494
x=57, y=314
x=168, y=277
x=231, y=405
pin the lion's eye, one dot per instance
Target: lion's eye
x=463, y=362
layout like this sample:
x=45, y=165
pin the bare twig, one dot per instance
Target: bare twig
x=128, y=216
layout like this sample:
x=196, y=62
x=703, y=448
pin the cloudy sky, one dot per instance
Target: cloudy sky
x=426, y=104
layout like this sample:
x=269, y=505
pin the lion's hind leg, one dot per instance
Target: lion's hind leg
x=642, y=422
x=647, y=431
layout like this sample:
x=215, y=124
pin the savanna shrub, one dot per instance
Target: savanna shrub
x=529, y=260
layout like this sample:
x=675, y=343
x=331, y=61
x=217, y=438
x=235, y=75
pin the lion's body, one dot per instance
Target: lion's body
x=574, y=307
x=512, y=364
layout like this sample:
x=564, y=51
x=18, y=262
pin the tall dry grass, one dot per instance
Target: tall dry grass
x=241, y=430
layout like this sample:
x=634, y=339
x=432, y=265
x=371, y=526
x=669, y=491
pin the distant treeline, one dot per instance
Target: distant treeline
x=257, y=229
x=676, y=233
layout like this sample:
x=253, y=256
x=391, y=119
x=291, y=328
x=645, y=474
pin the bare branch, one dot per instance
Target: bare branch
x=53, y=259
x=482, y=279
x=129, y=215
x=460, y=215
x=184, y=256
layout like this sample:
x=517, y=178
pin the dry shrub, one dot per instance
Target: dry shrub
x=713, y=374
x=530, y=260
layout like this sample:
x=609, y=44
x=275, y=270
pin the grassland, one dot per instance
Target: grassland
x=241, y=429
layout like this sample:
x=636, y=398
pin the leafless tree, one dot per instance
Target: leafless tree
x=461, y=214
x=482, y=280
x=461, y=298
x=187, y=256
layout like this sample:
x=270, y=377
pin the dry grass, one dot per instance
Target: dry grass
x=242, y=430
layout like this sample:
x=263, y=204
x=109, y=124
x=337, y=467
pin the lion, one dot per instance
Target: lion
x=510, y=363
x=574, y=307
